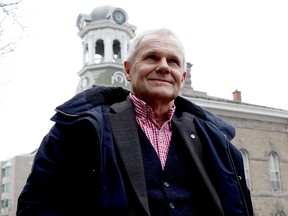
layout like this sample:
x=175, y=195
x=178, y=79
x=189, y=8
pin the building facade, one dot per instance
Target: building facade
x=261, y=132
x=14, y=173
x=262, y=138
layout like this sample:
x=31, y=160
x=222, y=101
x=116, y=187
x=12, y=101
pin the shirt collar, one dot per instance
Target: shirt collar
x=143, y=110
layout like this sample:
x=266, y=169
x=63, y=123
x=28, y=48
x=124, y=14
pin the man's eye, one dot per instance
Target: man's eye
x=174, y=61
x=151, y=57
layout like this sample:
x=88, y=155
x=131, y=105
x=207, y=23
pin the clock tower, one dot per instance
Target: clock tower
x=105, y=34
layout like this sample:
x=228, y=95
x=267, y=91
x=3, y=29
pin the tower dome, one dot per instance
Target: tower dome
x=100, y=13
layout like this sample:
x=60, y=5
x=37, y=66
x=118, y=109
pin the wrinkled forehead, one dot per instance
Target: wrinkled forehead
x=161, y=41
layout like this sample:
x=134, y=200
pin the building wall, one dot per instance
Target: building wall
x=259, y=138
x=20, y=167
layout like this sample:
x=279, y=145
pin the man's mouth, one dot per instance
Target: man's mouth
x=160, y=80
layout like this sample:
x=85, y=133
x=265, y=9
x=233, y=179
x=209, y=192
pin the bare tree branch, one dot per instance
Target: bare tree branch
x=11, y=28
x=11, y=31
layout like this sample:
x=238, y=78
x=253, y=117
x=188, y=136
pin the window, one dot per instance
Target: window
x=274, y=172
x=5, y=188
x=246, y=167
x=99, y=51
x=6, y=171
x=5, y=203
x=280, y=213
x=116, y=51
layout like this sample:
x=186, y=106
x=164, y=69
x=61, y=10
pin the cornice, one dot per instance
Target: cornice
x=242, y=110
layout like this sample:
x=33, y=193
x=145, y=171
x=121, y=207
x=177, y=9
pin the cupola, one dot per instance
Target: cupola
x=105, y=34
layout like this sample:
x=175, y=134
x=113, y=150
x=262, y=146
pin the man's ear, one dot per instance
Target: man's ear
x=127, y=70
x=183, y=79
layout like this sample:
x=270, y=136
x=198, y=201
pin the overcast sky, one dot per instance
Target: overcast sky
x=232, y=45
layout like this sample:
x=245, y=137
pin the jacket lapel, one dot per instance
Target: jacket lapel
x=124, y=128
x=187, y=131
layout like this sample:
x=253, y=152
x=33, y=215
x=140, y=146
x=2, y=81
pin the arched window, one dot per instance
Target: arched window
x=246, y=167
x=116, y=51
x=274, y=171
x=280, y=213
x=99, y=51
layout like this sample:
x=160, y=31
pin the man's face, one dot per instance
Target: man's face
x=157, y=72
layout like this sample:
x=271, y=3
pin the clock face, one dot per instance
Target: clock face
x=81, y=23
x=119, y=17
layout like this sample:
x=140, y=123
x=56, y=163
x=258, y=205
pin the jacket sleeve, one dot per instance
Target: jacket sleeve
x=65, y=171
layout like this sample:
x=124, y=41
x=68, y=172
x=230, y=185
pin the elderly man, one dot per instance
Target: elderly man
x=147, y=151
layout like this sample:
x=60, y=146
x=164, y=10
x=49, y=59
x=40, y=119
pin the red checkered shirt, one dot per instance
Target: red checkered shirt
x=159, y=136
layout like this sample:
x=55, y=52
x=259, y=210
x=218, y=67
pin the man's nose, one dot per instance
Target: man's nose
x=163, y=66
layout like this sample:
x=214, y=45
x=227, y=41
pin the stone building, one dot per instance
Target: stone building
x=262, y=137
x=13, y=175
x=261, y=132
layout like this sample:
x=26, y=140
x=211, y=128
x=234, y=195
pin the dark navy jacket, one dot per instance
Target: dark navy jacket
x=90, y=162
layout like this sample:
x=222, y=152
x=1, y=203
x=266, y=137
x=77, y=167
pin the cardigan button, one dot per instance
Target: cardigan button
x=166, y=184
x=193, y=136
x=171, y=205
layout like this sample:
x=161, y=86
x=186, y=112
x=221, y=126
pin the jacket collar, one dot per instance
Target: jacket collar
x=85, y=101
x=93, y=97
x=185, y=106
